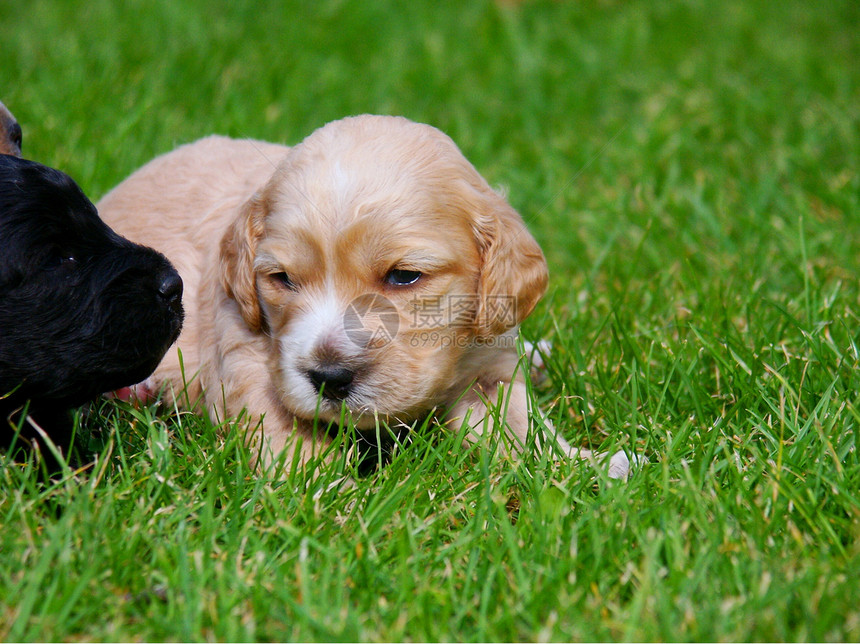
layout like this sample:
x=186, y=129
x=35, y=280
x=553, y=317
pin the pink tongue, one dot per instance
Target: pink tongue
x=125, y=394
x=136, y=393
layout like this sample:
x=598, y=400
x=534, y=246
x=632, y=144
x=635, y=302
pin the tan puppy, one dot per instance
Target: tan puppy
x=368, y=271
x=10, y=133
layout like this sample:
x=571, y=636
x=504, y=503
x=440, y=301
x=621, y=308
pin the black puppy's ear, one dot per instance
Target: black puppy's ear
x=10, y=133
x=238, y=249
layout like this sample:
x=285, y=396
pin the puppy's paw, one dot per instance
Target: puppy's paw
x=621, y=466
x=536, y=352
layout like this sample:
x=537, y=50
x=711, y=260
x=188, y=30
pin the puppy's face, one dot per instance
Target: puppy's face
x=377, y=259
x=82, y=310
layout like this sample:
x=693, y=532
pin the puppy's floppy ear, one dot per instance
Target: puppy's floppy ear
x=513, y=274
x=238, y=248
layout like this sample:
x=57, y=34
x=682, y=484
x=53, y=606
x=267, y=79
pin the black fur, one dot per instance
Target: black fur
x=82, y=310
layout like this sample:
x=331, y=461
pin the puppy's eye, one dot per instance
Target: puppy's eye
x=400, y=277
x=62, y=261
x=283, y=280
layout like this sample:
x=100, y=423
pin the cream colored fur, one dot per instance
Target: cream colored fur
x=355, y=200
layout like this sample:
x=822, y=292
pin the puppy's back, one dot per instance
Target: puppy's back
x=182, y=202
x=184, y=190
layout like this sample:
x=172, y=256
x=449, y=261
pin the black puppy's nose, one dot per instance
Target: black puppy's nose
x=170, y=289
x=334, y=382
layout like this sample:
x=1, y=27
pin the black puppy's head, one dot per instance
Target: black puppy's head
x=82, y=310
x=10, y=133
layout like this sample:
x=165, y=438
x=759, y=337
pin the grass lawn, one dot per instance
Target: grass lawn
x=692, y=170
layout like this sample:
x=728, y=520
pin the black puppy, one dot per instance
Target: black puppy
x=10, y=133
x=82, y=310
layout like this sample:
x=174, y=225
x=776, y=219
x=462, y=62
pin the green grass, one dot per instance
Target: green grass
x=691, y=170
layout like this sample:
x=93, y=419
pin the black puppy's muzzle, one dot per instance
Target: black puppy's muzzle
x=142, y=303
x=170, y=290
x=168, y=313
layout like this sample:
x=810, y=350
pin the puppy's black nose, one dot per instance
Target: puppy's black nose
x=334, y=382
x=170, y=289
